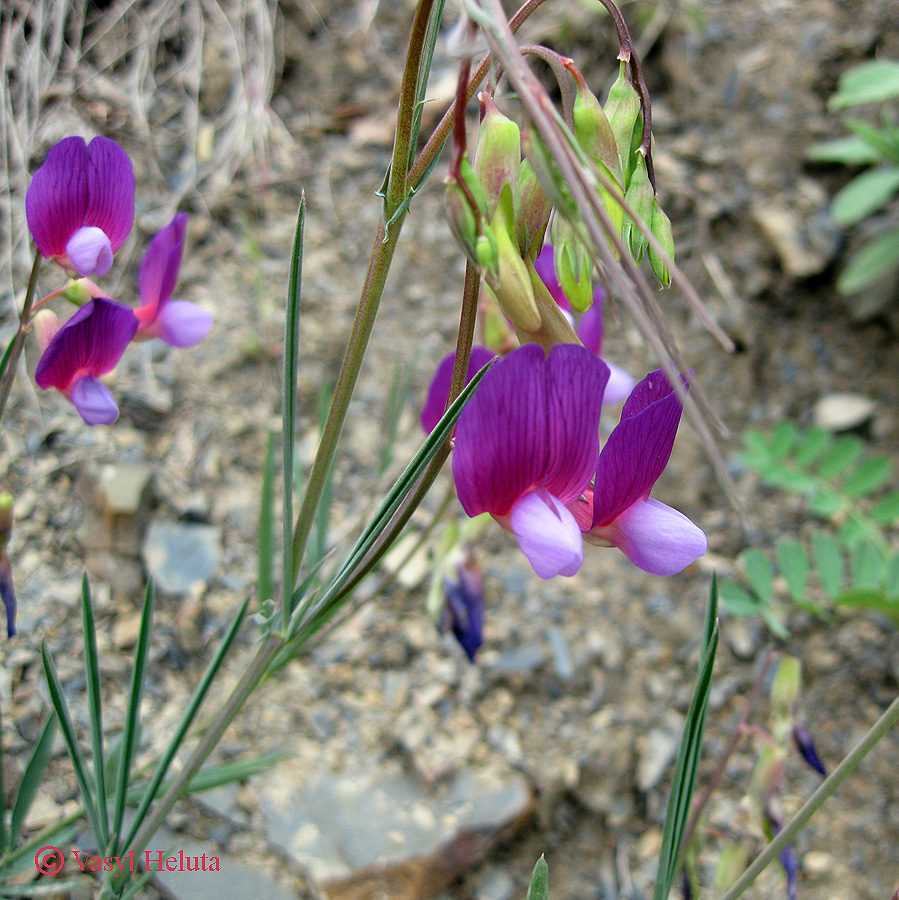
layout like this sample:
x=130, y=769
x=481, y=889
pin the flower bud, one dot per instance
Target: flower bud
x=784, y=693
x=640, y=196
x=77, y=292
x=466, y=220
x=533, y=214
x=807, y=749
x=7, y=590
x=573, y=266
x=512, y=285
x=593, y=131
x=6, y=517
x=497, y=155
x=622, y=109
x=660, y=226
x=45, y=324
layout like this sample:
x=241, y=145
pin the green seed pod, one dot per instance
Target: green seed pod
x=661, y=228
x=640, y=196
x=534, y=211
x=593, y=131
x=512, y=286
x=574, y=268
x=623, y=112
x=497, y=155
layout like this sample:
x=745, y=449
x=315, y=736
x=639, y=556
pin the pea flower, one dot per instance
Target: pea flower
x=589, y=326
x=77, y=353
x=653, y=536
x=526, y=446
x=435, y=405
x=80, y=204
x=176, y=322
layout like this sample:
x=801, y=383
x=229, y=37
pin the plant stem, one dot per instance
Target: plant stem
x=18, y=342
x=811, y=806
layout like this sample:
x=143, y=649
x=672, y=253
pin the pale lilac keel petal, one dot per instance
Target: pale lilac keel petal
x=181, y=324
x=94, y=401
x=654, y=537
x=547, y=534
x=619, y=385
x=90, y=251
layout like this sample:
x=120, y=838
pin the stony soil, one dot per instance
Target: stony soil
x=583, y=683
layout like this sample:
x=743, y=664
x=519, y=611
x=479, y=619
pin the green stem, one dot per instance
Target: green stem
x=372, y=290
x=247, y=684
x=18, y=342
x=811, y=806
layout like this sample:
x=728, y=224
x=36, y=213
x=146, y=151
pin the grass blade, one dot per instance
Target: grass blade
x=193, y=707
x=31, y=779
x=538, y=889
x=265, y=587
x=94, y=703
x=684, y=778
x=288, y=410
x=58, y=699
x=132, y=718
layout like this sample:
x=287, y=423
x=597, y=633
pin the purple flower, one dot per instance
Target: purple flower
x=589, y=328
x=176, y=322
x=527, y=444
x=463, y=610
x=438, y=393
x=80, y=204
x=807, y=749
x=89, y=345
x=653, y=536
x=8, y=594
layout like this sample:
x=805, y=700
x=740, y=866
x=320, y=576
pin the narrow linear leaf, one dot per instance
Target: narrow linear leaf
x=886, y=510
x=4, y=361
x=868, y=476
x=31, y=778
x=132, y=715
x=265, y=563
x=845, y=451
x=760, y=573
x=793, y=564
x=871, y=263
x=538, y=889
x=190, y=714
x=94, y=703
x=58, y=699
x=829, y=562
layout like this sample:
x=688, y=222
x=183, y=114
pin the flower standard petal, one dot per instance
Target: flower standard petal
x=501, y=437
x=654, y=537
x=110, y=190
x=56, y=200
x=159, y=270
x=547, y=534
x=435, y=405
x=638, y=449
x=575, y=383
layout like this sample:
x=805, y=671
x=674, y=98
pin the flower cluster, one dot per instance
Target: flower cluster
x=80, y=210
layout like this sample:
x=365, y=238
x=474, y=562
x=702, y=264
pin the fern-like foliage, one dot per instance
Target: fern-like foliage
x=851, y=558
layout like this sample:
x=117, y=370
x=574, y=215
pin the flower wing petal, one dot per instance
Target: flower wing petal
x=56, y=200
x=182, y=324
x=575, y=383
x=501, y=437
x=638, y=449
x=110, y=190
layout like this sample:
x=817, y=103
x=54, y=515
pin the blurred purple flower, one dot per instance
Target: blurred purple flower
x=527, y=444
x=89, y=345
x=463, y=611
x=435, y=405
x=807, y=749
x=8, y=594
x=80, y=204
x=589, y=328
x=787, y=856
x=176, y=322
x=653, y=536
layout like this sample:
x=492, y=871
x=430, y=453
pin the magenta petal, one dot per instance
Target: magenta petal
x=94, y=401
x=545, y=267
x=57, y=196
x=638, y=450
x=91, y=342
x=501, y=437
x=89, y=251
x=159, y=270
x=181, y=324
x=547, y=534
x=435, y=405
x=110, y=190
x=575, y=383
x=656, y=538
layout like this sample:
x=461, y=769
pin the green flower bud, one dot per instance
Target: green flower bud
x=593, y=131
x=6, y=518
x=487, y=252
x=574, y=268
x=784, y=693
x=511, y=287
x=77, y=292
x=534, y=211
x=466, y=221
x=497, y=155
x=623, y=112
x=660, y=226
x=640, y=196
